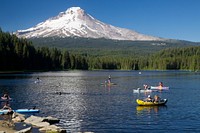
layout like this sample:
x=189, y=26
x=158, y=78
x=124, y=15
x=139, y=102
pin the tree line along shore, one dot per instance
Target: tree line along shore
x=18, y=54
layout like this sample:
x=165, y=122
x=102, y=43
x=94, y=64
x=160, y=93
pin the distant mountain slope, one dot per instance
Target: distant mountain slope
x=107, y=47
x=75, y=22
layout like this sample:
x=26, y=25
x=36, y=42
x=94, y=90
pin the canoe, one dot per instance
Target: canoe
x=20, y=111
x=159, y=88
x=146, y=103
x=142, y=91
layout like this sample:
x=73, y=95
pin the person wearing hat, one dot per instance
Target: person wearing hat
x=149, y=99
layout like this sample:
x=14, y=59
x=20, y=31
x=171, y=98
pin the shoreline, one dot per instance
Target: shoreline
x=18, y=72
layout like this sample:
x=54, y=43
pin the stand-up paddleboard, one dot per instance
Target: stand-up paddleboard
x=108, y=84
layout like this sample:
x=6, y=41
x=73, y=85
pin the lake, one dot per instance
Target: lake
x=82, y=104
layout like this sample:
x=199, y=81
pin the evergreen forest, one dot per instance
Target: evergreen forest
x=19, y=54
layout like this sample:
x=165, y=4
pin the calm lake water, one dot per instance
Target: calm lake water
x=86, y=105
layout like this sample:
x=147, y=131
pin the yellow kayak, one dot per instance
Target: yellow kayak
x=147, y=103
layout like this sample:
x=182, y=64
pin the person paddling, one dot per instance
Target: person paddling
x=156, y=98
x=146, y=86
x=109, y=79
x=160, y=84
x=149, y=99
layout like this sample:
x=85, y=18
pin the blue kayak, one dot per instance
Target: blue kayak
x=21, y=111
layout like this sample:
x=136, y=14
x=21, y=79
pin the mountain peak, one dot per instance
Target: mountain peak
x=76, y=22
x=73, y=10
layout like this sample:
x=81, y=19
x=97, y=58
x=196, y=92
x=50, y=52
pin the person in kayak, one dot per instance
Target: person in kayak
x=156, y=98
x=146, y=86
x=149, y=99
x=38, y=80
x=160, y=84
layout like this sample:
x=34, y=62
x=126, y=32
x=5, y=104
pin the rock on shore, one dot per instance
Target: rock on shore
x=43, y=123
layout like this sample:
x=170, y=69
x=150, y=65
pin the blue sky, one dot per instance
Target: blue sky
x=175, y=19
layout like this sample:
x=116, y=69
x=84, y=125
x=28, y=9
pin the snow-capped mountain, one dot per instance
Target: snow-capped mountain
x=76, y=22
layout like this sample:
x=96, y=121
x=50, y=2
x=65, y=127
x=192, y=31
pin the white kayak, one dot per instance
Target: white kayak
x=159, y=88
x=138, y=90
x=5, y=111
